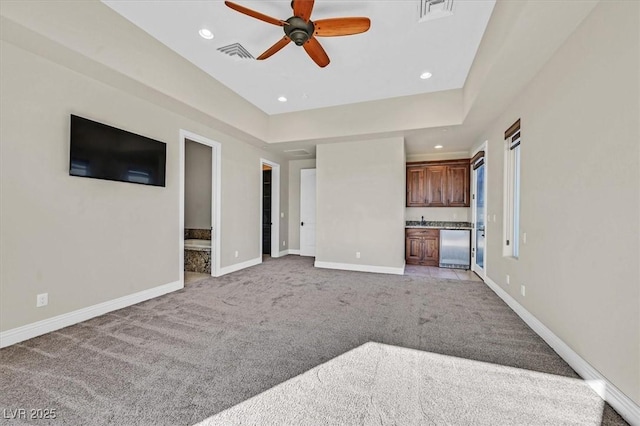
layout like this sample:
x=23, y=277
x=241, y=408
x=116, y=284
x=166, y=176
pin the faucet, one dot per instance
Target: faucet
x=422, y=221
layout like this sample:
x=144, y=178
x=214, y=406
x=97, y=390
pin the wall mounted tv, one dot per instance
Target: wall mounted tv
x=104, y=152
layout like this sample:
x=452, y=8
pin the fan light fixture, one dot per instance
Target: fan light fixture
x=425, y=75
x=303, y=31
x=206, y=34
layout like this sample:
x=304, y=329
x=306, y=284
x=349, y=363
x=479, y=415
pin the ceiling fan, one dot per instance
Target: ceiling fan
x=303, y=31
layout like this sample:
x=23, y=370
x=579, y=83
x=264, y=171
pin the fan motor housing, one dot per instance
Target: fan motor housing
x=298, y=30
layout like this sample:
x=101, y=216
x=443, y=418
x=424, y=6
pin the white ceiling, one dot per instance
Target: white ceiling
x=384, y=62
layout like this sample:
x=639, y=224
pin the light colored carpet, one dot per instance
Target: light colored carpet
x=183, y=357
x=377, y=384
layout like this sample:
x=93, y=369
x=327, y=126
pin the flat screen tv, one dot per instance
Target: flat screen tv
x=104, y=152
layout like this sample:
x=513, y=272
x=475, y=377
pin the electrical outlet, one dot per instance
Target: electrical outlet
x=357, y=255
x=522, y=290
x=42, y=300
x=524, y=238
x=236, y=253
x=494, y=217
x=507, y=279
x=284, y=244
x=281, y=214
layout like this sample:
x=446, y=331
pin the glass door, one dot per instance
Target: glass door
x=479, y=218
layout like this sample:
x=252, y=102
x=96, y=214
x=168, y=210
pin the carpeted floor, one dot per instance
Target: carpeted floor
x=181, y=358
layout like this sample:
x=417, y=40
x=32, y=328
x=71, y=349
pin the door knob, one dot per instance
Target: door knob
x=301, y=223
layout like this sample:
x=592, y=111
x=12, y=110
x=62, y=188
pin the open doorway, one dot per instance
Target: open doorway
x=199, y=217
x=266, y=210
x=270, y=209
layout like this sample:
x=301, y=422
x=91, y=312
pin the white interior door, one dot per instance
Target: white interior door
x=308, y=212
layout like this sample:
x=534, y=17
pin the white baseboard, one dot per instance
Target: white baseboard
x=624, y=405
x=238, y=266
x=29, y=331
x=284, y=253
x=360, y=268
x=294, y=251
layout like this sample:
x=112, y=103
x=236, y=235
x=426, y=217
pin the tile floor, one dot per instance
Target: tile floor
x=192, y=277
x=432, y=271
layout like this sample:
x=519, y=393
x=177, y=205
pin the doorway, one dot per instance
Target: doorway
x=209, y=207
x=266, y=210
x=269, y=209
x=479, y=212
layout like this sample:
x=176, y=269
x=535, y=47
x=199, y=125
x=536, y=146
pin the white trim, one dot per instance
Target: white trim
x=360, y=268
x=294, y=251
x=275, y=207
x=238, y=266
x=39, y=328
x=216, y=199
x=628, y=409
x=284, y=253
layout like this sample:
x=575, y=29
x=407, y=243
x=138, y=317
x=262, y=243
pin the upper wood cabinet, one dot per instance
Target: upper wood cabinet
x=438, y=184
x=458, y=185
x=416, y=192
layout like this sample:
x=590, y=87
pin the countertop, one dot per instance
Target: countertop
x=437, y=224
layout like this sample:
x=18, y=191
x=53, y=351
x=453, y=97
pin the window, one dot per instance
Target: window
x=511, y=245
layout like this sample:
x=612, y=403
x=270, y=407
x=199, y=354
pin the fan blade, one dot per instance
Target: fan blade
x=302, y=9
x=341, y=26
x=255, y=14
x=317, y=53
x=275, y=48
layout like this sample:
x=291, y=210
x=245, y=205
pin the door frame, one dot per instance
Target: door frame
x=482, y=272
x=216, y=192
x=275, y=207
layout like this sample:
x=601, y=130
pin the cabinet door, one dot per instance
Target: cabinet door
x=431, y=252
x=458, y=185
x=413, y=250
x=436, y=179
x=416, y=195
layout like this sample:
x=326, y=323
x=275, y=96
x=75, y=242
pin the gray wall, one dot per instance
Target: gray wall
x=294, y=199
x=580, y=194
x=360, y=202
x=197, y=186
x=87, y=241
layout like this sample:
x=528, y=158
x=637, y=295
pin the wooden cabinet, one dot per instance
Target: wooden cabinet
x=422, y=247
x=458, y=185
x=415, y=186
x=438, y=184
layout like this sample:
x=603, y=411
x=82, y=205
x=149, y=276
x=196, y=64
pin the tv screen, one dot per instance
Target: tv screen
x=104, y=152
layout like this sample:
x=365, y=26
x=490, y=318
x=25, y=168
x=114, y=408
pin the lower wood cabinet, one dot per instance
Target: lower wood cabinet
x=422, y=247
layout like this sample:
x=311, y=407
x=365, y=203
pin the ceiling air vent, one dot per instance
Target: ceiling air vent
x=297, y=152
x=236, y=50
x=435, y=9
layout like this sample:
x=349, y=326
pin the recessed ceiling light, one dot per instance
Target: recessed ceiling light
x=425, y=75
x=282, y=99
x=438, y=147
x=205, y=33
